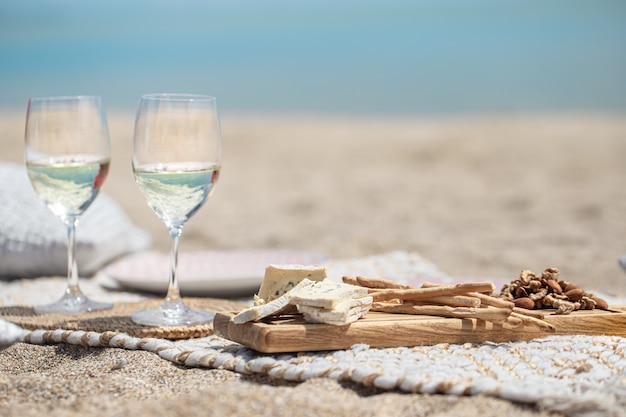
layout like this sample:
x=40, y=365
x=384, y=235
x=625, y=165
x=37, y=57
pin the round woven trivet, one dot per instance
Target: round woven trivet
x=118, y=319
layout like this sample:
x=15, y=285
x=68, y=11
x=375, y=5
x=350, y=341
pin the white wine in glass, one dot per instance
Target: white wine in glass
x=177, y=152
x=67, y=160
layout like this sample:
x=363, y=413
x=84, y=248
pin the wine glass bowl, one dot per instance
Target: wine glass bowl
x=176, y=160
x=67, y=159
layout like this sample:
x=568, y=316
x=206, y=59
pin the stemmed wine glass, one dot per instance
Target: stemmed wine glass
x=177, y=150
x=67, y=159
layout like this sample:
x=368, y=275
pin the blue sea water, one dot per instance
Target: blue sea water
x=346, y=57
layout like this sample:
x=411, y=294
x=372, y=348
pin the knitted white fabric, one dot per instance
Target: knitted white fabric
x=10, y=333
x=578, y=375
x=33, y=241
x=581, y=376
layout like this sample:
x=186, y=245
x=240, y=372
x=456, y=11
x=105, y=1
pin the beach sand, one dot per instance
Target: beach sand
x=480, y=196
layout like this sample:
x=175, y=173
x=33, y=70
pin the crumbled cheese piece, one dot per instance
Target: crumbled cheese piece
x=281, y=278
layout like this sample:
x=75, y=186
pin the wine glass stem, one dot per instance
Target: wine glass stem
x=173, y=291
x=72, y=268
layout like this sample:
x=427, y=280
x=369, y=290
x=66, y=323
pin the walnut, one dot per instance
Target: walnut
x=539, y=294
x=526, y=276
x=587, y=303
x=535, y=285
x=551, y=273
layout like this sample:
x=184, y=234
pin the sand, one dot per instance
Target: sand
x=480, y=196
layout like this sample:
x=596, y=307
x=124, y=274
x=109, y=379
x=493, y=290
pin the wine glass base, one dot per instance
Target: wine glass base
x=172, y=314
x=72, y=304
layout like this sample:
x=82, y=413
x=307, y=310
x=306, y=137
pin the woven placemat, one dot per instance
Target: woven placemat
x=118, y=319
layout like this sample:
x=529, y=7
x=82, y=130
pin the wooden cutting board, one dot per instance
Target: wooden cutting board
x=293, y=334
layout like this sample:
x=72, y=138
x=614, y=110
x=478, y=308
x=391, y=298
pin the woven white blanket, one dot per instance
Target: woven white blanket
x=577, y=375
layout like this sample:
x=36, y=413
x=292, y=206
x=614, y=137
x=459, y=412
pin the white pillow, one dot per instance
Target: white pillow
x=33, y=241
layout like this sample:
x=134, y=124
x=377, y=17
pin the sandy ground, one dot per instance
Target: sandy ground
x=483, y=196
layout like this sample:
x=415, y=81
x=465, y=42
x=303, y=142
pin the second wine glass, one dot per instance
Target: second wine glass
x=177, y=150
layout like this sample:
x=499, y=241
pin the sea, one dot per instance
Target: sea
x=398, y=57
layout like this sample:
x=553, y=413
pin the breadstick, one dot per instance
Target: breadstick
x=349, y=280
x=489, y=300
x=431, y=284
x=373, y=282
x=451, y=300
x=492, y=314
x=380, y=283
x=533, y=322
x=532, y=313
x=429, y=292
x=513, y=322
x=382, y=305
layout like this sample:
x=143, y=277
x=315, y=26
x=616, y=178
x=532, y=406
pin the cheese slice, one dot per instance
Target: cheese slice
x=326, y=294
x=281, y=278
x=340, y=309
x=277, y=306
x=340, y=314
x=328, y=317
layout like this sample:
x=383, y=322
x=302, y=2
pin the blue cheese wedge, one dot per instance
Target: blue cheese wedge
x=274, y=307
x=326, y=294
x=281, y=278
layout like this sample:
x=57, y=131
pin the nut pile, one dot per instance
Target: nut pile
x=532, y=291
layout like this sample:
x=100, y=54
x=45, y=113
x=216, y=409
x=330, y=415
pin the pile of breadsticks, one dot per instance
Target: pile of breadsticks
x=468, y=300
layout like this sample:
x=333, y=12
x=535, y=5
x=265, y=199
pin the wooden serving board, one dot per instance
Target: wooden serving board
x=293, y=334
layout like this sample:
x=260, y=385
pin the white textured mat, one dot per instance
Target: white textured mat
x=577, y=375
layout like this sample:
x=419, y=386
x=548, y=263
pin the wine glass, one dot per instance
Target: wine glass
x=177, y=151
x=67, y=159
